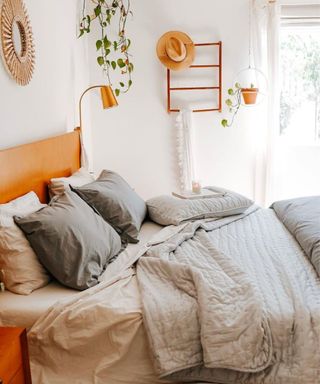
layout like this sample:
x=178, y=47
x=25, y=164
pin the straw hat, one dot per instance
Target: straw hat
x=175, y=50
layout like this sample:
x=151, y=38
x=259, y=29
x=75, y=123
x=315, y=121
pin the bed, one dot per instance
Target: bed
x=43, y=160
x=226, y=300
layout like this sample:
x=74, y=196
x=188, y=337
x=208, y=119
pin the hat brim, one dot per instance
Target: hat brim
x=165, y=59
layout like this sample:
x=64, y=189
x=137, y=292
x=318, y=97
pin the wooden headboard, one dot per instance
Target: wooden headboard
x=30, y=167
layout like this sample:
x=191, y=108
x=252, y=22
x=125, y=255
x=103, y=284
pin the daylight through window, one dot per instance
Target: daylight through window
x=300, y=79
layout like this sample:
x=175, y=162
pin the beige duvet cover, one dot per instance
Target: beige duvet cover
x=97, y=336
x=110, y=318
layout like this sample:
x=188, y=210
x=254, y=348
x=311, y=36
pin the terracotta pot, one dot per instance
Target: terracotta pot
x=249, y=95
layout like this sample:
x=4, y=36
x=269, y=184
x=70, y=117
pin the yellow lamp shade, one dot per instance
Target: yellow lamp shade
x=108, y=98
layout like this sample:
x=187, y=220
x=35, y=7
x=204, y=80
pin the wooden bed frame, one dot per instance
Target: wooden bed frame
x=30, y=167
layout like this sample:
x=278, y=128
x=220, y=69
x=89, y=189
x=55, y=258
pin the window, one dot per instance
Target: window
x=300, y=74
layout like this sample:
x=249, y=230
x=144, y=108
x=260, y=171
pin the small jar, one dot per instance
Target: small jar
x=196, y=186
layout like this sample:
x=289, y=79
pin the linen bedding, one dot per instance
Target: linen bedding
x=255, y=255
x=24, y=311
x=233, y=300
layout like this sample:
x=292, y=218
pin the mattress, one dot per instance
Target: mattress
x=23, y=311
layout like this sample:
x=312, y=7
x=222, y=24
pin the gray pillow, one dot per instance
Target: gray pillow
x=171, y=210
x=301, y=216
x=116, y=202
x=72, y=241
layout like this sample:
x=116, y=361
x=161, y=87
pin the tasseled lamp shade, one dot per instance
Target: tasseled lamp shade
x=108, y=98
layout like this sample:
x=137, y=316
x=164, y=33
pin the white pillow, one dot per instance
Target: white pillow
x=20, y=269
x=59, y=185
x=170, y=210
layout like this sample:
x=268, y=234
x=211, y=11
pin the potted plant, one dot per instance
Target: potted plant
x=249, y=96
x=112, y=44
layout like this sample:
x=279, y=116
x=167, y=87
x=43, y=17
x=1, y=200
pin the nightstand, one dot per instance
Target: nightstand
x=14, y=356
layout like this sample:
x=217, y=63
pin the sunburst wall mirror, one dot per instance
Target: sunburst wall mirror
x=17, y=41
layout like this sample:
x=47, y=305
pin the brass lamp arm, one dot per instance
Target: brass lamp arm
x=80, y=102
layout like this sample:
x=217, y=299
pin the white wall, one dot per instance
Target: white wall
x=137, y=138
x=47, y=105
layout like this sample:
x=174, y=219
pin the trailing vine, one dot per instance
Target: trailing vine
x=113, y=53
x=233, y=103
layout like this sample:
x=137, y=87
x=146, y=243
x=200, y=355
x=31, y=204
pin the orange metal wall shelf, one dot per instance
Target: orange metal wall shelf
x=217, y=87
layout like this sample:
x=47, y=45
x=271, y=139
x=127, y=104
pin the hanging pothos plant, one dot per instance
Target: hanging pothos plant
x=113, y=53
x=234, y=101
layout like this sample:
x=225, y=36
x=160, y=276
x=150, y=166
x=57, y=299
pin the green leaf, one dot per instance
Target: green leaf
x=230, y=91
x=81, y=32
x=107, y=52
x=130, y=83
x=121, y=84
x=224, y=123
x=121, y=63
x=115, y=45
x=113, y=64
x=117, y=91
x=237, y=85
x=97, y=10
x=131, y=67
x=128, y=43
x=229, y=102
x=106, y=43
x=100, y=60
x=98, y=44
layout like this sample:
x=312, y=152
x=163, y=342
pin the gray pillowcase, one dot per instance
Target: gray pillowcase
x=72, y=241
x=171, y=210
x=301, y=216
x=116, y=202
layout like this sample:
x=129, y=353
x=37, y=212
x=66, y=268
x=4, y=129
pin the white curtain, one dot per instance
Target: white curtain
x=185, y=149
x=265, y=33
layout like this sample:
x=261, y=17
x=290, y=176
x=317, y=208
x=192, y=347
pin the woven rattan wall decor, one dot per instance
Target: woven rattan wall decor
x=17, y=41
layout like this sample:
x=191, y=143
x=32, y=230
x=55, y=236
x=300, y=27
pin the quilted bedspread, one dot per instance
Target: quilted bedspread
x=232, y=302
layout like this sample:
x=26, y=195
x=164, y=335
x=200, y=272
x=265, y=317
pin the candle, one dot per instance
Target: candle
x=196, y=186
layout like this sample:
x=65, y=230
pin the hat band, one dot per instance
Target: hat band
x=177, y=58
x=169, y=58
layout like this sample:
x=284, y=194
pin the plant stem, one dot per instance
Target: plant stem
x=104, y=12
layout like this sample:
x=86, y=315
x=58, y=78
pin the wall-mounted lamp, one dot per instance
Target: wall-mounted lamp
x=107, y=97
x=108, y=101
